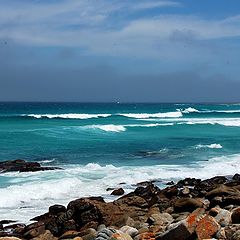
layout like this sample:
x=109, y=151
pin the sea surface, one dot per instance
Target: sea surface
x=110, y=145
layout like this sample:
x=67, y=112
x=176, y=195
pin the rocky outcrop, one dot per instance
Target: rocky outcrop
x=23, y=166
x=190, y=209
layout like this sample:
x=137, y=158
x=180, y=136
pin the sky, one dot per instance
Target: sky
x=120, y=50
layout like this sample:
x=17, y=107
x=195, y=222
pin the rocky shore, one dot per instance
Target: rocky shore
x=188, y=210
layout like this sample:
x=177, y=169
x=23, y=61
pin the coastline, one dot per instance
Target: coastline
x=189, y=209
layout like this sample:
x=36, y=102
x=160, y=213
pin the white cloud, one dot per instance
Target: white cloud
x=98, y=27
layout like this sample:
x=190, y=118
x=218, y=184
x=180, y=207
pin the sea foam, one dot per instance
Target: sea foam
x=213, y=145
x=39, y=190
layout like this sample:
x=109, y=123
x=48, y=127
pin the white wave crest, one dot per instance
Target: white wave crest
x=189, y=110
x=214, y=145
x=69, y=115
x=152, y=115
x=108, y=127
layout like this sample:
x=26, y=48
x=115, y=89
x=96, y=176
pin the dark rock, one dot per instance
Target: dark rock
x=22, y=166
x=188, y=182
x=170, y=192
x=170, y=183
x=15, y=228
x=210, y=184
x=236, y=216
x=56, y=209
x=118, y=192
x=236, y=177
x=7, y=221
x=179, y=232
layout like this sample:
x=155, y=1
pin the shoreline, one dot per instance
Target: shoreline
x=189, y=209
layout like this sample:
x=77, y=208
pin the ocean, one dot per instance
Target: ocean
x=102, y=145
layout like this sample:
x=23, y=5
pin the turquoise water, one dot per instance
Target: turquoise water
x=103, y=145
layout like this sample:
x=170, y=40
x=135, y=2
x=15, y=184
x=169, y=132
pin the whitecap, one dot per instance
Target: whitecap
x=108, y=127
x=213, y=145
x=152, y=115
x=189, y=110
x=69, y=116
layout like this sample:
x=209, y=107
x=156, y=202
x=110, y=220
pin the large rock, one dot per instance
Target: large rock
x=222, y=190
x=187, y=204
x=22, y=166
x=207, y=227
x=117, y=192
x=236, y=216
x=223, y=217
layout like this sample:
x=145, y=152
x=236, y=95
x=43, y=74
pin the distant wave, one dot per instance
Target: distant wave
x=122, y=128
x=152, y=115
x=189, y=110
x=108, y=128
x=214, y=145
x=69, y=115
x=227, y=122
x=193, y=110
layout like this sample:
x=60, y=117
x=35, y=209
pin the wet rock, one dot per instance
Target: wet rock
x=117, y=192
x=170, y=183
x=210, y=184
x=170, y=192
x=236, y=177
x=188, y=182
x=56, y=209
x=149, y=193
x=3, y=222
x=187, y=204
x=20, y=165
x=236, y=216
x=207, y=227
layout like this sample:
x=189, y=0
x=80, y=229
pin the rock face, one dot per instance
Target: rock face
x=191, y=209
x=22, y=166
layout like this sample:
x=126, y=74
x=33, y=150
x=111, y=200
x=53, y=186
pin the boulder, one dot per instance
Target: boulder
x=223, y=217
x=187, y=204
x=117, y=192
x=20, y=165
x=207, y=227
x=236, y=216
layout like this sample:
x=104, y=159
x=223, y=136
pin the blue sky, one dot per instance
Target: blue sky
x=125, y=50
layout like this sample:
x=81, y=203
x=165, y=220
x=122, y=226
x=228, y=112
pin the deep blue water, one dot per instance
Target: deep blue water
x=101, y=145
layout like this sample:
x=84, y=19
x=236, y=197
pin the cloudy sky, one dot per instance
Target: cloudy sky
x=120, y=50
